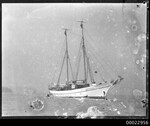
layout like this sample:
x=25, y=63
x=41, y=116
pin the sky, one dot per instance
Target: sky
x=33, y=42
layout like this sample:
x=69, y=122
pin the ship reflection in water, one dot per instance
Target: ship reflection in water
x=31, y=103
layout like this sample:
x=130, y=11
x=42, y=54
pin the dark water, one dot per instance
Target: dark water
x=19, y=104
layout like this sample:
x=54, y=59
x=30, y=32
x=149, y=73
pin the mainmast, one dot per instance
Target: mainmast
x=67, y=59
x=84, y=53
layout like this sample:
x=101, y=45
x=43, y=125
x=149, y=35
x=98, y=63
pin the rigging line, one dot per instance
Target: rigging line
x=84, y=53
x=78, y=65
x=89, y=68
x=58, y=59
x=99, y=71
x=97, y=68
x=61, y=69
x=102, y=60
x=60, y=52
x=91, y=78
x=87, y=72
x=78, y=59
x=90, y=72
x=99, y=62
x=96, y=57
x=93, y=55
x=103, y=54
x=79, y=52
x=101, y=76
x=103, y=68
x=76, y=34
x=71, y=69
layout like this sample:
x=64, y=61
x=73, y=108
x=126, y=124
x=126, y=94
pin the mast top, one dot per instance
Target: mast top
x=65, y=29
x=81, y=23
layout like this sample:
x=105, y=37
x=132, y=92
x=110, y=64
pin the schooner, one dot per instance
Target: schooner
x=75, y=88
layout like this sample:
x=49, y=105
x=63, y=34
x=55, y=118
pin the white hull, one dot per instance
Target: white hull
x=92, y=91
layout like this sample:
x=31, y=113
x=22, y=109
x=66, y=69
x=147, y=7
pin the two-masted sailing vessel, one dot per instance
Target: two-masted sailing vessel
x=76, y=88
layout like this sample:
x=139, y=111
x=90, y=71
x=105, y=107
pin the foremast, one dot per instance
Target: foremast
x=66, y=56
